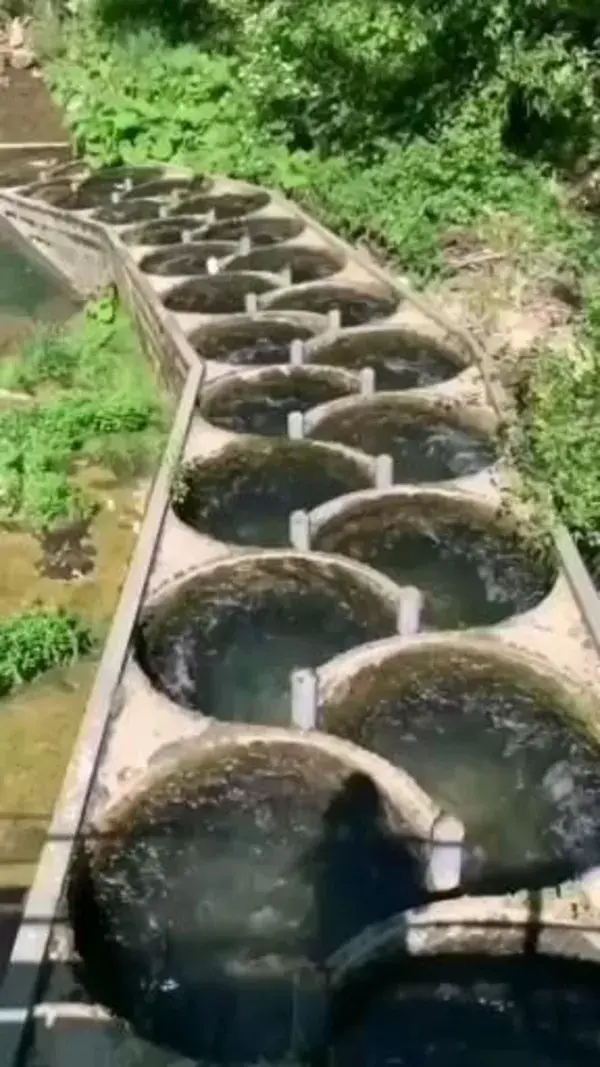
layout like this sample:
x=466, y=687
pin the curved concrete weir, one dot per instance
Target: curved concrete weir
x=246, y=492
x=261, y=401
x=284, y=552
x=258, y=859
x=225, y=640
x=491, y=737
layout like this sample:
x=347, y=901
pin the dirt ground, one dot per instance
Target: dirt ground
x=26, y=110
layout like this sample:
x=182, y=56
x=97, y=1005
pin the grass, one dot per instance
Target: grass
x=93, y=400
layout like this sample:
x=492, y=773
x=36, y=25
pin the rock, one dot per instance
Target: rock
x=16, y=35
x=22, y=59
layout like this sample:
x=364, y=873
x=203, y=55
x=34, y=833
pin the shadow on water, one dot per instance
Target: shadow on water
x=29, y=295
x=206, y=920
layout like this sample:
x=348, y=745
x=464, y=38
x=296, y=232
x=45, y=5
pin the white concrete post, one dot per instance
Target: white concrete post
x=304, y=693
x=384, y=471
x=367, y=381
x=300, y=531
x=295, y=425
x=445, y=854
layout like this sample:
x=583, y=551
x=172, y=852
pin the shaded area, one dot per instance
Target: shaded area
x=267, y=230
x=29, y=295
x=225, y=643
x=272, y=856
x=262, y=404
x=190, y=259
x=355, y=307
x=253, y=342
x=224, y=205
x=472, y=571
x=305, y=264
x=492, y=741
x=167, y=232
x=247, y=492
x=167, y=186
x=425, y=446
x=400, y=359
x=132, y=211
x=222, y=294
x=531, y=1010
x=11, y=901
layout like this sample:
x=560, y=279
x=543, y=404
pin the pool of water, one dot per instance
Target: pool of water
x=204, y=915
x=224, y=205
x=223, y=294
x=262, y=405
x=471, y=573
x=28, y=294
x=190, y=259
x=400, y=359
x=304, y=264
x=355, y=307
x=490, y=742
x=261, y=230
x=247, y=494
x=423, y=448
x=226, y=643
x=253, y=342
x=163, y=232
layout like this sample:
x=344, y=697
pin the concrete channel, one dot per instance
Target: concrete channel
x=238, y=295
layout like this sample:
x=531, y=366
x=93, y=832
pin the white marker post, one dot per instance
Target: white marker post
x=304, y=691
x=444, y=869
x=299, y=531
x=251, y=303
x=410, y=609
x=295, y=425
x=297, y=353
x=334, y=320
x=367, y=381
x=384, y=471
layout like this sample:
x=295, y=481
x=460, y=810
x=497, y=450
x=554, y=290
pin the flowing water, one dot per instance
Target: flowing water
x=205, y=915
x=252, y=342
x=423, y=449
x=247, y=494
x=223, y=294
x=304, y=264
x=262, y=230
x=470, y=574
x=355, y=307
x=491, y=744
x=227, y=644
x=263, y=404
x=401, y=360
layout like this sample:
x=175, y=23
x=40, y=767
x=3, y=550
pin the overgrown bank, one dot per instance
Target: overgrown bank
x=362, y=111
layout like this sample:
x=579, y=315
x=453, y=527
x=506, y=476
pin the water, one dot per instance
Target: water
x=537, y=1012
x=246, y=494
x=204, y=920
x=262, y=405
x=425, y=449
x=165, y=187
x=400, y=359
x=470, y=574
x=223, y=294
x=190, y=259
x=226, y=644
x=224, y=205
x=253, y=342
x=262, y=231
x=355, y=307
x=28, y=294
x=131, y=211
x=165, y=232
x=305, y=264
x=491, y=743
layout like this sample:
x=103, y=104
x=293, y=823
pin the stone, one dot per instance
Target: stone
x=22, y=59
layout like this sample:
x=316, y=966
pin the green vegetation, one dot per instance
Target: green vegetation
x=37, y=640
x=398, y=122
x=93, y=399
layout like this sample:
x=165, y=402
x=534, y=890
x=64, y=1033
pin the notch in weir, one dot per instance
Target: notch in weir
x=384, y=471
x=444, y=868
x=297, y=352
x=295, y=425
x=304, y=698
x=299, y=531
x=410, y=610
x=366, y=379
x=251, y=302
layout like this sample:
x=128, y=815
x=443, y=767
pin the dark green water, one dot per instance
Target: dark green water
x=28, y=294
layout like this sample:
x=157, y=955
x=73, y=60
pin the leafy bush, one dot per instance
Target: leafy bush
x=37, y=640
x=112, y=398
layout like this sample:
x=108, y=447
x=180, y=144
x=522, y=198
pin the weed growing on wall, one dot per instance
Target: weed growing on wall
x=37, y=640
x=93, y=399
